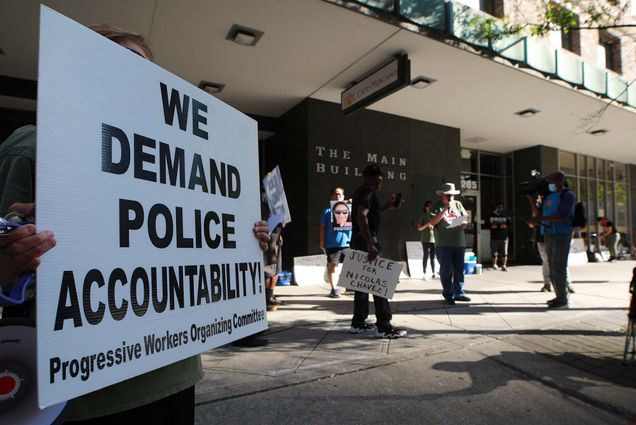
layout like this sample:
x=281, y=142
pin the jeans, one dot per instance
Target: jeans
x=558, y=248
x=545, y=265
x=451, y=273
x=428, y=248
x=612, y=243
x=383, y=314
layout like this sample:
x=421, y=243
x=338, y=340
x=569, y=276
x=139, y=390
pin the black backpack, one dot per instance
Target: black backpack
x=578, y=219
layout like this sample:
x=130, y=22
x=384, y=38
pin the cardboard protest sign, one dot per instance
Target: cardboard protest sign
x=276, y=199
x=378, y=277
x=151, y=188
x=341, y=216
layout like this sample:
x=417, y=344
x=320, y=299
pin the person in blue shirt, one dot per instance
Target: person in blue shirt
x=557, y=213
x=335, y=234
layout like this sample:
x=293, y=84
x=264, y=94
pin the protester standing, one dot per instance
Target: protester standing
x=366, y=223
x=335, y=234
x=427, y=239
x=558, y=210
x=449, y=219
x=499, y=233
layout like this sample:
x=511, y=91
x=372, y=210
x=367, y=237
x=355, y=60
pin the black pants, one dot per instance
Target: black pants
x=361, y=301
x=429, y=249
x=177, y=409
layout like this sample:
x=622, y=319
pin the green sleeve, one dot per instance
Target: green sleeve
x=16, y=181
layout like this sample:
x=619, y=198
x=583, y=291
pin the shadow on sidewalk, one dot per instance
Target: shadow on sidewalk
x=483, y=380
x=429, y=307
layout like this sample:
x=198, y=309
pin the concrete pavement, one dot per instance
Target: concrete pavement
x=501, y=358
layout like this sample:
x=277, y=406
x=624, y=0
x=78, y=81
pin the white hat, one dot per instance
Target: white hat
x=448, y=189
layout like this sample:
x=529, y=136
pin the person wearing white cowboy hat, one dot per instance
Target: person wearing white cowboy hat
x=449, y=219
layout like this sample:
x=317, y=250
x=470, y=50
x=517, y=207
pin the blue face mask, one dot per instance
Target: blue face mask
x=552, y=187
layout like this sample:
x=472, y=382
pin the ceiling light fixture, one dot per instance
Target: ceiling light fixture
x=243, y=35
x=599, y=132
x=211, y=87
x=422, y=82
x=527, y=113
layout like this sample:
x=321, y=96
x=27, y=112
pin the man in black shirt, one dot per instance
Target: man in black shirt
x=366, y=223
x=499, y=229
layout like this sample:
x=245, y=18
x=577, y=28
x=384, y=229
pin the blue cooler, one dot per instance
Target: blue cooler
x=469, y=267
x=284, y=278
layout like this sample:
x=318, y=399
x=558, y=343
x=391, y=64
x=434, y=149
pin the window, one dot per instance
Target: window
x=600, y=169
x=492, y=7
x=621, y=172
x=570, y=38
x=490, y=164
x=610, y=47
x=567, y=162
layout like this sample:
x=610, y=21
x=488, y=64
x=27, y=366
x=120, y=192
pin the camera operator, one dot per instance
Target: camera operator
x=557, y=210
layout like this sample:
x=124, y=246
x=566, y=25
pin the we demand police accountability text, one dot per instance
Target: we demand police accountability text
x=80, y=300
x=82, y=367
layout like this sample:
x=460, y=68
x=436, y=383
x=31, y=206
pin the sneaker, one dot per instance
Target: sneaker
x=552, y=301
x=504, y=268
x=435, y=276
x=449, y=301
x=358, y=330
x=495, y=267
x=334, y=293
x=463, y=298
x=390, y=333
x=425, y=277
x=558, y=304
x=275, y=301
x=570, y=289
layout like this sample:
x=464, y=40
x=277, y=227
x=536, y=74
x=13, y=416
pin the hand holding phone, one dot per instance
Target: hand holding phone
x=398, y=200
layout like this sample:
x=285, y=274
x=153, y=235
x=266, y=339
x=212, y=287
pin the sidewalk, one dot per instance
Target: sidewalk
x=506, y=330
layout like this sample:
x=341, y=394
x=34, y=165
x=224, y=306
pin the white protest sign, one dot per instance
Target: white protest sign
x=275, y=192
x=415, y=255
x=151, y=188
x=378, y=277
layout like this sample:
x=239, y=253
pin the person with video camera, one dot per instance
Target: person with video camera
x=557, y=210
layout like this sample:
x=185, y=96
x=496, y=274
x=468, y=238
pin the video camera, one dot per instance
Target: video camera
x=537, y=185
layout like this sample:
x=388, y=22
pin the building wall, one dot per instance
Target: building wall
x=321, y=148
x=587, y=44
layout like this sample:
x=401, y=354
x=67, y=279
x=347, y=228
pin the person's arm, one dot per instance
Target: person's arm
x=363, y=225
x=424, y=225
x=390, y=205
x=436, y=218
x=565, y=210
x=323, y=232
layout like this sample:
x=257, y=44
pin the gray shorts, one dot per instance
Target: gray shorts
x=499, y=247
x=335, y=255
